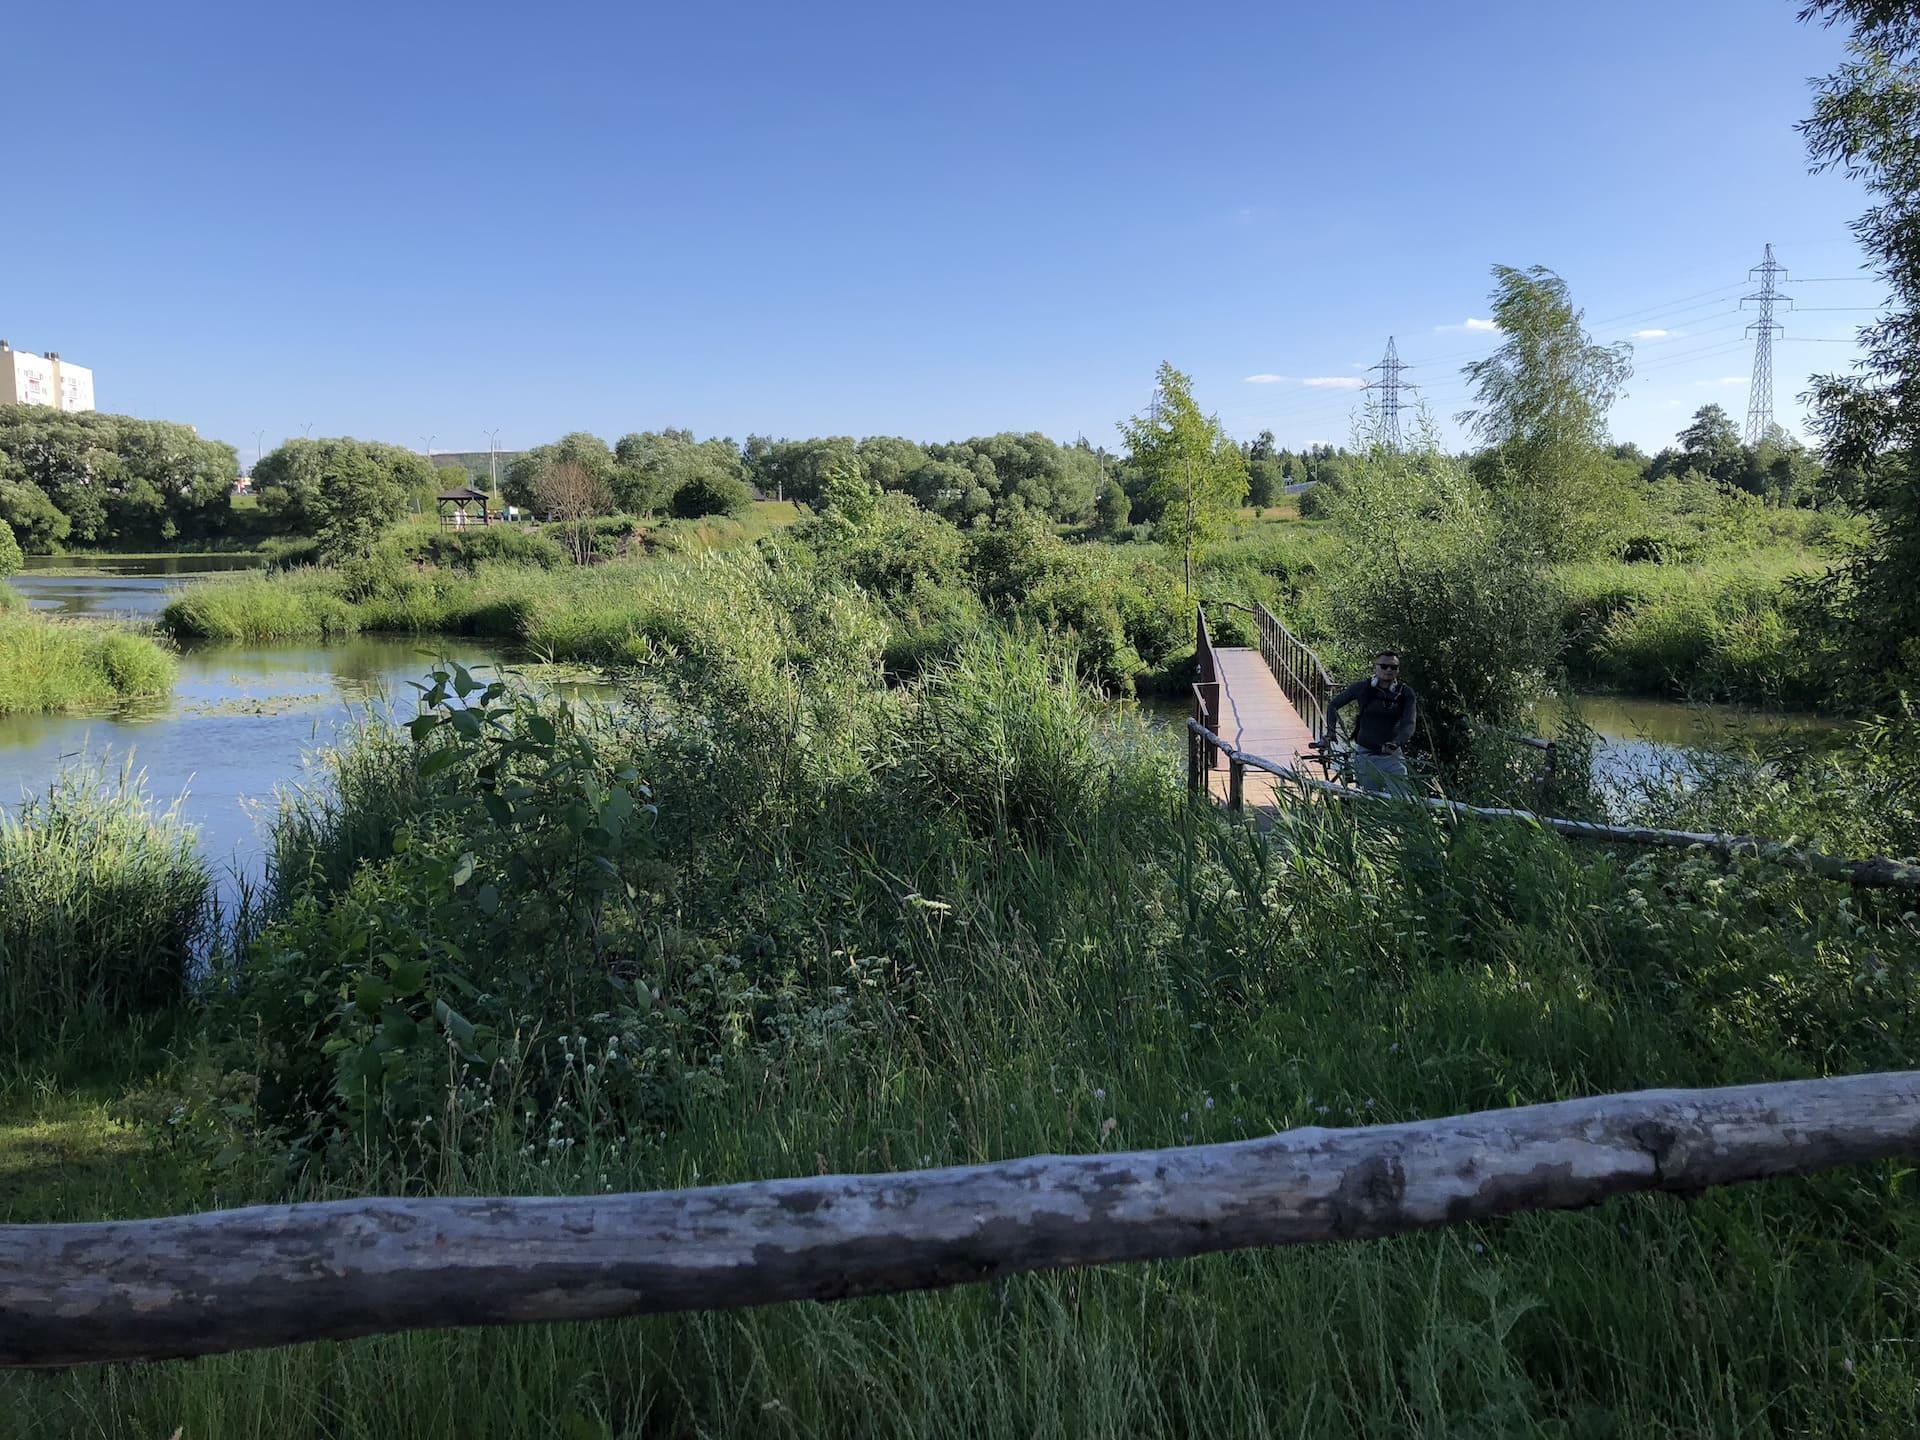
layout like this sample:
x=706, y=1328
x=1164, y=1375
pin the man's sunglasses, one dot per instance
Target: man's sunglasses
x=1386, y=665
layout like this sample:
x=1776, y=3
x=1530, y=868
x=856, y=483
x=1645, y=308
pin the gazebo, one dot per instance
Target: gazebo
x=452, y=505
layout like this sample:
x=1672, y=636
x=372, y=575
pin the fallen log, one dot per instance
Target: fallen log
x=276, y=1275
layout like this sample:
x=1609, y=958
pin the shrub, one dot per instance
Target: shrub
x=1433, y=568
x=10, y=557
x=103, y=902
x=464, y=549
x=710, y=492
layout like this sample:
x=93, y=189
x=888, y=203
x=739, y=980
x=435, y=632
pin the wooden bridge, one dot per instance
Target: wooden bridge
x=1260, y=708
x=1268, y=699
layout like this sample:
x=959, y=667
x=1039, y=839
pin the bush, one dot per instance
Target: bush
x=464, y=549
x=50, y=664
x=10, y=557
x=103, y=902
x=710, y=492
x=1433, y=568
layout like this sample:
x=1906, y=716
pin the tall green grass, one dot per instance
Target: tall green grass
x=967, y=919
x=103, y=900
x=50, y=664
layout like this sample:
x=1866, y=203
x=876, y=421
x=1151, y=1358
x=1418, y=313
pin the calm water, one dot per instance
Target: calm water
x=110, y=586
x=1647, y=738
x=242, y=719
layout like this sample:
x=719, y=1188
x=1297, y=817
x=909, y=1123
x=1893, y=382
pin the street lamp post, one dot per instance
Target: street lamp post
x=259, y=441
x=493, y=463
x=427, y=442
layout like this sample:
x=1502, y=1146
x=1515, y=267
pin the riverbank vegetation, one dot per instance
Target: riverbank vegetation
x=50, y=665
x=786, y=910
x=866, y=871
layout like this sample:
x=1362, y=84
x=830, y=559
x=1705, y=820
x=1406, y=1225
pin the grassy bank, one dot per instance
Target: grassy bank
x=1712, y=613
x=794, y=912
x=69, y=665
x=103, y=898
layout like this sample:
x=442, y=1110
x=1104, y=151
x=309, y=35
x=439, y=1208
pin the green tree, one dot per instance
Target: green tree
x=589, y=452
x=1866, y=123
x=1435, y=566
x=296, y=484
x=1266, y=472
x=110, y=478
x=1196, y=475
x=1543, y=398
x=1711, y=445
x=355, y=497
x=1113, y=510
x=10, y=556
x=670, y=471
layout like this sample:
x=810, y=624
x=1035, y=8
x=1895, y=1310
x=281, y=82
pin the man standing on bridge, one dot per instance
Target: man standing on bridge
x=1382, y=723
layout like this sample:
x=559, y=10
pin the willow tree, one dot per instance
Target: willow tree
x=1542, y=401
x=1196, y=475
x=1866, y=123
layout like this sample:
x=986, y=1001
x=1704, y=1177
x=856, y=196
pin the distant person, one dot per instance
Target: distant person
x=1382, y=723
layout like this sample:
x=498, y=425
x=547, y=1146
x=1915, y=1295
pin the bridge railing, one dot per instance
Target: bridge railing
x=1299, y=670
x=1878, y=871
x=1202, y=753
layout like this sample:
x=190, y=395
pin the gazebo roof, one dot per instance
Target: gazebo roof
x=465, y=492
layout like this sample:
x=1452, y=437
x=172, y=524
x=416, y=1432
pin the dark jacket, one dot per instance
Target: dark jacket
x=1384, y=716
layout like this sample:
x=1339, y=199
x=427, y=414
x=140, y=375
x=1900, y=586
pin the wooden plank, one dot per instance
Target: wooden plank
x=1256, y=717
x=281, y=1274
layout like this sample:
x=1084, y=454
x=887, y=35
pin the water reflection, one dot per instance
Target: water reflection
x=241, y=719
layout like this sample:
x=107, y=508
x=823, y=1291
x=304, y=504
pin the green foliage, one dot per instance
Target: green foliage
x=495, y=909
x=1434, y=567
x=104, y=900
x=343, y=493
x=477, y=545
x=672, y=472
x=48, y=664
x=91, y=478
x=1196, y=476
x=10, y=557
x=714, y=492
x=1866, y=122
x=1731, y=628
x=304, y=605
x=1113, y=511
x=1541, y=403
x=589, y=452
x=910, y=941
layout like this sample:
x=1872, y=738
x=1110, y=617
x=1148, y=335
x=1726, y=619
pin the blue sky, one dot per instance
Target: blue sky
x=402, y=221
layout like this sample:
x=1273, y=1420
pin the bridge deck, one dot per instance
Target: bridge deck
x=1255, y=716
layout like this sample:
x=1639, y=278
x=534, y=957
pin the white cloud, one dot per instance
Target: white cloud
x=1477, y=327
x=1724, y=380
x=1314, y=382
x=1651, y=334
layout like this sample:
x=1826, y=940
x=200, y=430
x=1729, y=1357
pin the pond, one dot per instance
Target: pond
x=242, y=719
x=109, y=586
x=1645, y=739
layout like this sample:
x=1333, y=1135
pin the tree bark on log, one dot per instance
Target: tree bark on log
x=275, y=1275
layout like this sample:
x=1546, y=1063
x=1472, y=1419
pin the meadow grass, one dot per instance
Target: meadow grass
x=970, y=918
x=48, y=664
